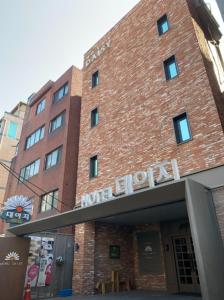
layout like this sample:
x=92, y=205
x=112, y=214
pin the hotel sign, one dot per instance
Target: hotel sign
x=128, y=184
x=17, y=210
x=96, y=53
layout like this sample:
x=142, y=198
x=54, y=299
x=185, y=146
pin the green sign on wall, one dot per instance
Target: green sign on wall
x=114, y=251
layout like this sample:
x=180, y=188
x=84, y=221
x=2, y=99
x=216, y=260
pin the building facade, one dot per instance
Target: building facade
x=150, y=192
x=42, y=174
x=152, y=82
x=48, y=146
x=10, y=130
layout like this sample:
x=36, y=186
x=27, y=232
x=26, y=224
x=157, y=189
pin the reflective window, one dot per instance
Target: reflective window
x=182, y=128
x=63, y=91
x=57, y=122
x=12, y=130
x=53, y=158
x=95, y=79
x=35, y=137
x=41, y=106
x=171, y=69
x=30, y=170
x=93, y=167
x=94, y=117
x=49, y=201
x=163, y=25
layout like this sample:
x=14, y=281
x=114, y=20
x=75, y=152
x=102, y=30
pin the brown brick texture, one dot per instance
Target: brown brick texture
x=136, y=109
x=62, y=176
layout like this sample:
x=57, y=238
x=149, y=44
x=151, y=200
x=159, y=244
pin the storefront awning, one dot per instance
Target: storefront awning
x=144, y=202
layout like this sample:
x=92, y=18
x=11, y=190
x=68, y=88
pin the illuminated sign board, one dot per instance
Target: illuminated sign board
x=17, y=210
x=155, y=174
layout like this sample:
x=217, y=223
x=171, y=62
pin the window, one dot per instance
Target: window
x=170, y=67
x=41, y=106
x=12, y=130
x=94, y=117
x=53, y=158
x=182, y=128
x=56, y=123
x=30, y=170
x=63, y=91
x=95, y=79
x=163, y=25
x=93, y=167
x=35, y=137
x=49, y=201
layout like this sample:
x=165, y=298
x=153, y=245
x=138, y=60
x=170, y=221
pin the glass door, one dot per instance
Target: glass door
x=186, y=266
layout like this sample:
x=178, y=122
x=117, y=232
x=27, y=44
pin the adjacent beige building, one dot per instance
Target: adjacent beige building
x=10, y=130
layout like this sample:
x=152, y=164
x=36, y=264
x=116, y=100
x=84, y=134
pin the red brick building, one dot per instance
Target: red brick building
x=149, y=198
x=42, y=172
x=138, y=107
x=49, y=141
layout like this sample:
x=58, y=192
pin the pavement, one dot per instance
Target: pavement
x=134, y=295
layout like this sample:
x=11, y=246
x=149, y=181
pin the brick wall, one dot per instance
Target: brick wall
x=136, y=104
x=83, y=275
x=62, y=176
x=112, y=234
x=8, y=147
x=136, y=108
x=92, y=263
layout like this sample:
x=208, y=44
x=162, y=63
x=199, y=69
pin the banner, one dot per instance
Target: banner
x=39, y=270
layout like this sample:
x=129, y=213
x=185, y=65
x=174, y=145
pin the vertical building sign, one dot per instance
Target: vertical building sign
x=13, y=262
x=149, y=252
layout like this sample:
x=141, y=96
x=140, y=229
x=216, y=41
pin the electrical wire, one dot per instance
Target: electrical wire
x=11, y=172
x=36, y=186
x=21, y=179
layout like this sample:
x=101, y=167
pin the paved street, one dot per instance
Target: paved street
x=134, y=295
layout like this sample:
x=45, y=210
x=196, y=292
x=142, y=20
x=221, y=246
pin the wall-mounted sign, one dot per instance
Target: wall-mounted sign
x=149, y=252
x=13, y=261
x=17, y=210
x=96, y=53
x=155, y=174
x=114, y=251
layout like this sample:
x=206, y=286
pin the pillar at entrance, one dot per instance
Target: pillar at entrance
x=207, y=240
x=83, y=275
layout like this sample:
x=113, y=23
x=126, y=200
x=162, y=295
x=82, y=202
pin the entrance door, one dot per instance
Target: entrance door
x=186, y=266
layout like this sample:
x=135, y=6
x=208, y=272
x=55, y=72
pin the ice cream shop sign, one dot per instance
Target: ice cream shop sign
x=17, y=210
x=155, y=174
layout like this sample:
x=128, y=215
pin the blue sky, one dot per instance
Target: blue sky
x=40, y=39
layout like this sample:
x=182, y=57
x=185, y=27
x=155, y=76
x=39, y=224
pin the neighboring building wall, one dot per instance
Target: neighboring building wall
x=209, y=38
x=62, y=176
x=10, y=131
x=137, y=105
